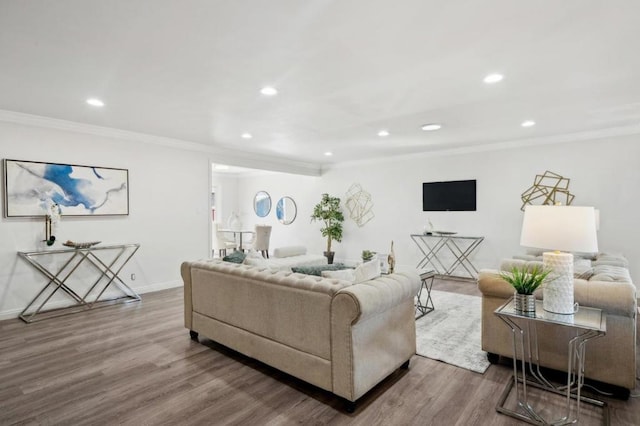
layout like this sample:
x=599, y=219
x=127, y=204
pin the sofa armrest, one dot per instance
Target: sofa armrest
x=372, y=332
x=380, y=294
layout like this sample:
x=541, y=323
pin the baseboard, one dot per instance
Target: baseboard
x=13, y=313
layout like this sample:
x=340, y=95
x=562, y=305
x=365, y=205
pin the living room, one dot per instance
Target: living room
x=170, y=206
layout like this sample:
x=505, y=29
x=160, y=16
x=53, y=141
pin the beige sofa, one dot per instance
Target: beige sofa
x=610, y=359
x=341, y=337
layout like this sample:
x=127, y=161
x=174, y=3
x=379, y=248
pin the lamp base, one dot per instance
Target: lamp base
x=558, y=290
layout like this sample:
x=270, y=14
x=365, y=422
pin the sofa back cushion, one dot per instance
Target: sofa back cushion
x=292, y=309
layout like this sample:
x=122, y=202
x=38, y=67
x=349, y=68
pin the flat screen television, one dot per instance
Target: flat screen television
x=455, y=195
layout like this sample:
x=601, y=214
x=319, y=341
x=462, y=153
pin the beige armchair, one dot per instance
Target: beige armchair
x=261, y=239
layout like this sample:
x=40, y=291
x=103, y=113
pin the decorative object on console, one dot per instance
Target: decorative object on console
x=359, y=205
x=88, y=244
x=262, y=203
x=51, y=223
x=383, y=260
x=571, y=229
x=525, y=282
x=429, y=229
x=328, y=211
x=548, y=186
x=286, y=210
x=77, y=190
x=391, y=259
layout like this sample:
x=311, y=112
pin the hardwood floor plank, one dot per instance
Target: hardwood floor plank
x=135, y=364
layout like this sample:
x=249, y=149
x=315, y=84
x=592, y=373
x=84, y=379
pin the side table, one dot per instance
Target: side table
x=108, y=271
x=426, y=284
x=588, y=323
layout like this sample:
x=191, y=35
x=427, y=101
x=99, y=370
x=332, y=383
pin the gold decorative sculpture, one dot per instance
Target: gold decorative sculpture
x=550, y=187
x=359, y=205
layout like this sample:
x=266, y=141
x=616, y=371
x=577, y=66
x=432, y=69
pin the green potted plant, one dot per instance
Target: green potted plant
x=525, y=282
x=328, y=211
x=367, y=255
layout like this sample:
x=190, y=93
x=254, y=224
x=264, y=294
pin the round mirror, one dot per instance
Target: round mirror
x=286, y=210
x=262, y=203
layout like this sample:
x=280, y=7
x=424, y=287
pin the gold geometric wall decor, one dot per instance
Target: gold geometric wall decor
x=359, y=205
x=551, y=188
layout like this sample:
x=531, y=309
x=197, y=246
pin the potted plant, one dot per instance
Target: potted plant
x=328, y=211
x=525, y=283
x=367, y=255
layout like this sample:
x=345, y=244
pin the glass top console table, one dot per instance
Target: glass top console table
x=107, y=260
x=447, y=254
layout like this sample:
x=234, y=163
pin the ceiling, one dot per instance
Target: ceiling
x=192, y=70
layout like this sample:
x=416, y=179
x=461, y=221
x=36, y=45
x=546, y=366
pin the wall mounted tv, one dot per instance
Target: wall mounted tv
x=455, y=195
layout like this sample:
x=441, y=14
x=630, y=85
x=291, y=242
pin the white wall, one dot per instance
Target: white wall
x=603, y=173
x=169, y=209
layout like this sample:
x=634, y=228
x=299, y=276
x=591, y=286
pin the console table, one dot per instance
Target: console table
x=436, y=249
x=588, y=323
x=58, y=279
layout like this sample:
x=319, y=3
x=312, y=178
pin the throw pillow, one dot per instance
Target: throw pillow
x=253, y=254
x=343, y=274
x=255, y=261
x=317, y=269
x=235, y=257
x=367, y=271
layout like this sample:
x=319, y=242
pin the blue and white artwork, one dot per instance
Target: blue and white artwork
x=79, y=190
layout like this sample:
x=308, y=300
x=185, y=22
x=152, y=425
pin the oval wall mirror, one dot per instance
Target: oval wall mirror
x=262, y=203
x=286, y=210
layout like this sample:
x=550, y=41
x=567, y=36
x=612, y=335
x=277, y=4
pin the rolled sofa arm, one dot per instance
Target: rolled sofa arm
x=372, y=331
x=380, y=294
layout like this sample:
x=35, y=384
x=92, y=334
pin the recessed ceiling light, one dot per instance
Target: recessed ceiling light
x=493, y=78
x=328, y=153
x=246, y=136
x=528, y=123
x=431, y=127
x=95, y=102
x=383, y=133
x=268, y=91
x=221, y=167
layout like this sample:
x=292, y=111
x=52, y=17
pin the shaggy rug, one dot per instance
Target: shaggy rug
x=451, y=332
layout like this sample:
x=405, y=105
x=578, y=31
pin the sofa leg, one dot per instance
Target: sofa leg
x=405, y=365
x=193, y=335
x=350, y=406
x=493, y=358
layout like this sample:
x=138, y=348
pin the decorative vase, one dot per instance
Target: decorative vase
x=391, y=259
x=525, y=304
x=329, y=256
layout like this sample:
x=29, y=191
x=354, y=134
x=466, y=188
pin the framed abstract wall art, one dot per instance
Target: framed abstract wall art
x=30, y=187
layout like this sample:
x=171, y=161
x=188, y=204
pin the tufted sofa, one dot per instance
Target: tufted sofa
x=601, y=283
x=341, y=337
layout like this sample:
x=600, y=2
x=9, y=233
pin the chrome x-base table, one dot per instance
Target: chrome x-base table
x=588, y=323
x=426, y=283
x=436, y=247
x=59, y=279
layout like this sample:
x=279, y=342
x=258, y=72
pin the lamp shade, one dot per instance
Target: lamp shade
x=564, y=228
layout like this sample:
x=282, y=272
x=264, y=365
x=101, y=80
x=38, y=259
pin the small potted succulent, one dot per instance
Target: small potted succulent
x=525, y=282
x=367, y=255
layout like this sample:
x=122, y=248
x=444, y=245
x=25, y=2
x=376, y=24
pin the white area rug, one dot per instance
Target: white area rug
x=451, y=332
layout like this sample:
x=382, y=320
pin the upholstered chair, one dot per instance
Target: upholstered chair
x=220, y=243
x=261, y=239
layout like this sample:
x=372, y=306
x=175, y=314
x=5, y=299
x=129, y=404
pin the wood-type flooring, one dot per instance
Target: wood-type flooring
x=134, y=364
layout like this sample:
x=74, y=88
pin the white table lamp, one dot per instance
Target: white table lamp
x=559, y=228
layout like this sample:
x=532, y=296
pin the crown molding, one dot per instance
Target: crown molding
x=612, y=132
x=221, y=155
